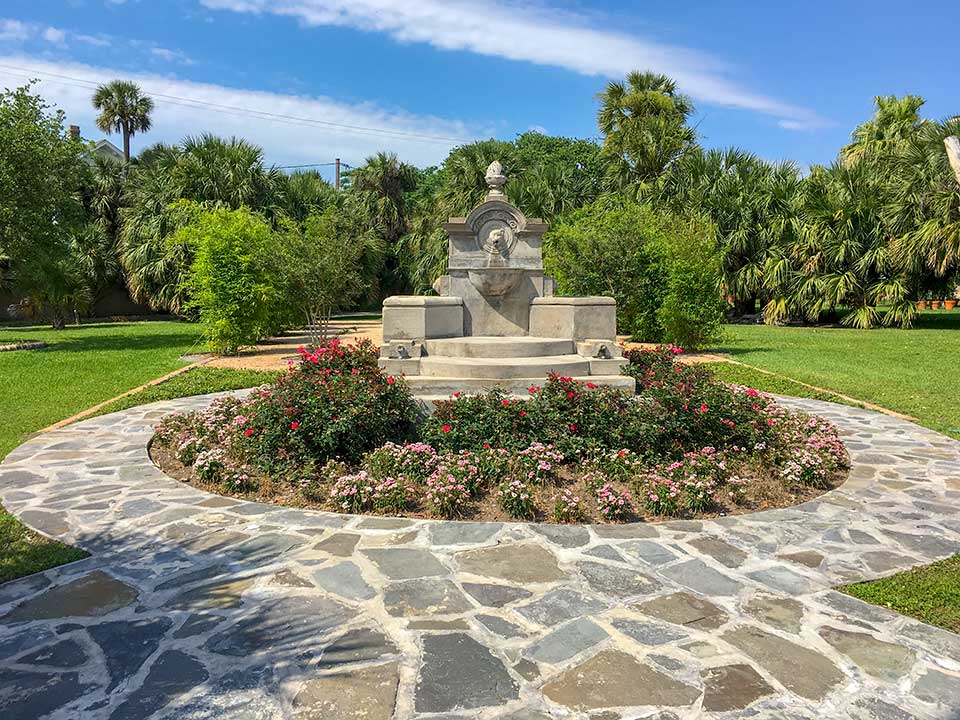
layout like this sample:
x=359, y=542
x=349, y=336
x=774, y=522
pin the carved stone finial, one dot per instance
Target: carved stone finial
x=495, y=178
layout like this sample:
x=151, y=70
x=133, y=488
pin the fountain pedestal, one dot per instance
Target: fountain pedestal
x=495, y=321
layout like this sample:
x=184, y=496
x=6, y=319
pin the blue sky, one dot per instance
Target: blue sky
x=787, y=80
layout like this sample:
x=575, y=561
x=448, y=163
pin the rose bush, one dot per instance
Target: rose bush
x=338, y=431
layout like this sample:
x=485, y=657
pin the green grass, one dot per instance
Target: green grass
x=930, y=594
x=742, y=375
x=910, y=371
x=196, y=381
x=81, y=366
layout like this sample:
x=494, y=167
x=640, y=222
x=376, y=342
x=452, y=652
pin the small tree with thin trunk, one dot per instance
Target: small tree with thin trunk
x=124, y=108
x=325, y=268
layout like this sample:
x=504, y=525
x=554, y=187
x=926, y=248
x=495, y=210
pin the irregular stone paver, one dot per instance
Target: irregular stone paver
x=559, y=605
x=782, y=613
x=647, y=633
x=613, y=679
x=685, y=609
x=405, y=563
x=523, y=563
x=344, y=579
x=701, y=578
x=198, y=607
x=429, y=596
x=732, y=687
x=567, y=641
x=25, y=694
x=92, y=595
x=617, y=581
x=495, y=595
x=806, y=672
x=126, y=645
x=459, y=673
x=366, y=694
x=883, y=660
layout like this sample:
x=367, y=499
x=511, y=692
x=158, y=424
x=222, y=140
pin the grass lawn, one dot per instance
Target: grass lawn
x=750, y=377
x=196, y=381
x=930, y=594
x=909, y=371
x=81, y=367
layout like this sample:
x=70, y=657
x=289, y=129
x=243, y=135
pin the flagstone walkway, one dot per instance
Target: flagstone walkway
x=197, y=606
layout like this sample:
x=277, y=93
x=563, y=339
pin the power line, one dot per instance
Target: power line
x=232, y=109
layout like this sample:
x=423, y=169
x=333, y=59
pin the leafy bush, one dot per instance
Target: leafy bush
x=336, y=403
x=662, y=270
x=234, y=276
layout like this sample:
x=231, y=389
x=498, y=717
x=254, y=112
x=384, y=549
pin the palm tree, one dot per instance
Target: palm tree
x=644, y=123
x=123, y=108
x=382, y=183
x=894, y=120
x=205, y=170
x=752, y=203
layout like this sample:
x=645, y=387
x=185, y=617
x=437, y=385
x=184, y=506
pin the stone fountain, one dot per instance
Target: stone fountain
x=495, y=321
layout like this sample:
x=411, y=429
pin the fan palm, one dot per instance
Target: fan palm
x=207, y=170
x=644, y=124
x=124, y=108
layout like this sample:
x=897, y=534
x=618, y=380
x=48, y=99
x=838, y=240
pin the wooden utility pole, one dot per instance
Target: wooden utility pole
x=336, y=162
x=953, y=154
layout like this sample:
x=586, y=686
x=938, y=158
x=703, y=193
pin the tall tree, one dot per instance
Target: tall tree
x=644, y=124
x=895, y=119
x=42, y=171
x=124, y=108
x=208, y=170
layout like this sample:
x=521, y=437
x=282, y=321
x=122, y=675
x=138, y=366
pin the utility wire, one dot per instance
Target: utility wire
x=233, y=110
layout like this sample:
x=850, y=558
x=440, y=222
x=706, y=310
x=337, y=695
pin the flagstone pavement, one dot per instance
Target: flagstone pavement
x=198, y=606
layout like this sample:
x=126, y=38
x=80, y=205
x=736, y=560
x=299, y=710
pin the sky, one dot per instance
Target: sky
x=312, y=80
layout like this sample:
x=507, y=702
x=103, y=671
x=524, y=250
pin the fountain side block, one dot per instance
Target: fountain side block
x=422, y=317
x=577, y=318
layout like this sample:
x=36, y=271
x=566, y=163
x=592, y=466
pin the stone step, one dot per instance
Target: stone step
x=499, y=347
x=441, y=388
x=513, y=367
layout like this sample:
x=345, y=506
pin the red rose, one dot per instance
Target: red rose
x=506, y=402
x=390, y=380
x=447, y=428
x=248, y=432
x=573, y=428
x=523, y=413
x=294, y=425
x=571, y=394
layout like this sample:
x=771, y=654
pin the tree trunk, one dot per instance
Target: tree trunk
x=952, y=144
x=126, y=144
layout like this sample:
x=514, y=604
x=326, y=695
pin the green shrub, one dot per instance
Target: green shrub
x=234, y=276
x=662, y=270
x=337, y=403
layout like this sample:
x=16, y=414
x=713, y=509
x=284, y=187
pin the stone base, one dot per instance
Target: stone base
x=579, y=318
x=441, y=367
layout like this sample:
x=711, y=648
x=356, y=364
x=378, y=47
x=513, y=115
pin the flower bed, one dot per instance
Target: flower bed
x=337, y=433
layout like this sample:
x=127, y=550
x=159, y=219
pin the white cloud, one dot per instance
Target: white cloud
x=293, y=141
x=95, y=40
x=14, y=31
x=173, y=56
x=518, y=30
x=54, y=35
